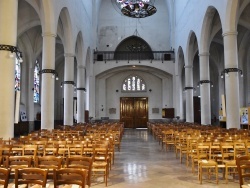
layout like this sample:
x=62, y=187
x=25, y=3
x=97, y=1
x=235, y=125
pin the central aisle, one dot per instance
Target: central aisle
x=142, y=163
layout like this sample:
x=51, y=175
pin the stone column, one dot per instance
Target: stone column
x=232, y=80
x=205, y=89
x=189, y=93
x=179, y=99
x=8, y=36
x=81, y=90
x=48, y=81
x=68, y=89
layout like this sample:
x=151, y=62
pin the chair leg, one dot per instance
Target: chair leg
x=106, y=178
x=226, y=174
x=200, y=174
x=216, y=172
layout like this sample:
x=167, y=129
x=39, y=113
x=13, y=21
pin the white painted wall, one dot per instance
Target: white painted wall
x=109, y=98
x=114, y=27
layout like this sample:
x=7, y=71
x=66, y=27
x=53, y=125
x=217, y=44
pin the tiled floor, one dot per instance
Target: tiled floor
x=142, y=163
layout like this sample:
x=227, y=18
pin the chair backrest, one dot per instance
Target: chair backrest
x=31, y=176
x=14, y=162
x=5, y=150
x=82, y=163
x=4, y=177
x=30, y=150
x=227, y=150
x=75, y=150
x=243, y=166
x=50, y=149
x=100, y=152
x=48, y=162
x=240, y=148
x=70, y=176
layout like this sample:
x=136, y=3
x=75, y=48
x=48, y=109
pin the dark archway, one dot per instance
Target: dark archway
x=133, y=48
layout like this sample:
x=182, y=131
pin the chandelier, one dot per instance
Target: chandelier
x=136, y=8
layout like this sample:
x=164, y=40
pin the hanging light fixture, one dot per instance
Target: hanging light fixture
x=136, y=8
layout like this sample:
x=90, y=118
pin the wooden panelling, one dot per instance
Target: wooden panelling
x=134, y=112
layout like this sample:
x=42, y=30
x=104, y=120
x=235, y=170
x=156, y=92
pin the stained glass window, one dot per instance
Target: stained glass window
x=17, y=75
x=133, y=84
x=36, y=82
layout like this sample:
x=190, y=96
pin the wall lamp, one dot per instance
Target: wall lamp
x=187, y=88
x=82, y=89
x=205, y=82
x=12, y=49
x=51, y=71
x=69, y=82
x=226, y=71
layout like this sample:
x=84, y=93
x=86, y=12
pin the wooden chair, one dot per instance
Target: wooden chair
x=117, y=139
x=75, y=150
x=30, y=150
x=40, y=146
x=205, y=162
x=168, y=139
x=4, y=177
x=5, y=150
x=31, y=176
x=71, y=176
x=17, y=149
x=101, y=161
x=183, y=147
x=62, y=148
x=50, y=163
x=50, y=149
x=228, y=157
x=243, y=166
x=82, y=163
x=17, y=162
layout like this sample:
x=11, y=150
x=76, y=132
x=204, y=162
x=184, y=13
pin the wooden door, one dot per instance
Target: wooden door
x=134, y=112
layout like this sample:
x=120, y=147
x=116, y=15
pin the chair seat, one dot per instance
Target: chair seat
x=230, y=162
x=207, y=163
x=96, y=164
x=245, y=186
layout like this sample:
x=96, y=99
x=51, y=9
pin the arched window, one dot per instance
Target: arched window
x=36, y=82
x=133, y=84
x=17, y=75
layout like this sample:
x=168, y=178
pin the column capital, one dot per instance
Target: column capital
x=226, y=33
x=69, y=55
x=204, y=54
x=49, y=34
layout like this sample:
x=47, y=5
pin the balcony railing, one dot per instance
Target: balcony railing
x=125, y=55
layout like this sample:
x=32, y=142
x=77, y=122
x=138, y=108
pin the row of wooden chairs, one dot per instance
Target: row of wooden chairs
x=114, y=136
x=211, y=149
x=38, y=176
x=100, y=156
x=52, y=163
